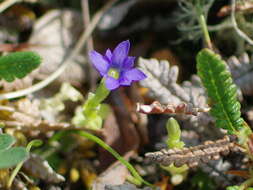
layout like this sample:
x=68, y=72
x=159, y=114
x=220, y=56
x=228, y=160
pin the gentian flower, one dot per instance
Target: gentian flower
x=117, y=67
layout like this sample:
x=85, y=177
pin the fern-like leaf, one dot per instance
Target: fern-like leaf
x=221, y=90
x=18, y=65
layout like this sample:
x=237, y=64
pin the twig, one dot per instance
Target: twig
x=89, y=44
x=84, y=37
x=43, y=126
x=239, y=32
x=7, y=108
x=7, y=3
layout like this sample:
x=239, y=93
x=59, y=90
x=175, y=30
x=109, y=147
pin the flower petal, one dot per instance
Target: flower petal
x=123, y=80
x=134, y=75
x=128, y=63
x=120, y=53
x=99, y=62
x=108, y=54
x=111, y=83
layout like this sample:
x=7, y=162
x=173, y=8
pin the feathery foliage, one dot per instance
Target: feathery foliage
x=18, y=65
x=221, y=91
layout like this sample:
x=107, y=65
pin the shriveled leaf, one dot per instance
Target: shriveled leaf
x=163, y=86
x=12, y=156
x=19, y=83
x=68, y=92
x=40, y=168
x=53, y=36
x=157, y=108
x=161, y=81
x=6, y=141
x=29, y=107
x=115, y=15
x=51, y=107
x=241, y=70
x=18, y=65
x=116, y=174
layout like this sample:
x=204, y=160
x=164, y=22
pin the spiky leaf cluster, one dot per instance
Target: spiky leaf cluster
x=221, y=90
x=18, y=65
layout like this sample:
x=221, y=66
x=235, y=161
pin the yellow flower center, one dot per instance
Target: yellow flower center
x=113, y=73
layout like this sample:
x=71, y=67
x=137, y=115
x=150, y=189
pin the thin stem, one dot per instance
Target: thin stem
x=7, y=3
x=100, y=142
x=203, y=26
x=84, y=37
x=89, y=44
x=18, y=167
x=239, y=32
x=246, y=184
x=115, y=154
x=101, y=93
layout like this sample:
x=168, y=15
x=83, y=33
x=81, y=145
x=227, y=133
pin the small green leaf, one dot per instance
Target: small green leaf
x=12, y=156
x=18, y=65
x=174, y=134
x=221, y=90
x=35, y=143
x=6, y=141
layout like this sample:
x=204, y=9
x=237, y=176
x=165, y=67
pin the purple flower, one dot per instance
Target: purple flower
x=119, y=61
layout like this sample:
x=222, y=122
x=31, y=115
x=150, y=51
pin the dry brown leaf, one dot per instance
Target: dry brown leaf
x=39, y=168
x=125, y=186
x=244, y=174
x=54, y=34
x=116, y=174
x=157, y=108
x=246, y=6
x=18, y=83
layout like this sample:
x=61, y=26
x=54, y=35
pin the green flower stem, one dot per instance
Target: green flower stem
x=18, y=167
x=93, y=138
x=101, y=93
x=92, y=106
x=133, y=180
x=246, y=184
x=93, y=102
